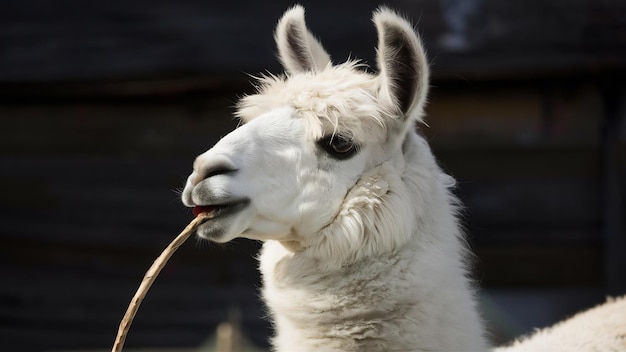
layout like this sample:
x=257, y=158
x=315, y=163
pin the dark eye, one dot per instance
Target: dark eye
x=338, y=147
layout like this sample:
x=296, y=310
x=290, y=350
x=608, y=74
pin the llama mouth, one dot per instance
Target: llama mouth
x=218, y=210
x=221, y=218
x=199, y=209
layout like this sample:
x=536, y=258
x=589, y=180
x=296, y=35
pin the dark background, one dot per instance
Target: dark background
x=105, y=104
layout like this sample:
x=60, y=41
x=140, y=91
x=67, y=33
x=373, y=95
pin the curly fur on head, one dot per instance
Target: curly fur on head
x=337, y=98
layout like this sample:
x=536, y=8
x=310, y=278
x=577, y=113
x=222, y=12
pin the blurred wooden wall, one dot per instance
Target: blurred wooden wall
x=105, y=105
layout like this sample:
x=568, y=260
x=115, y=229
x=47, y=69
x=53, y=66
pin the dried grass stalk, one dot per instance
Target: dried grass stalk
x=150, y=276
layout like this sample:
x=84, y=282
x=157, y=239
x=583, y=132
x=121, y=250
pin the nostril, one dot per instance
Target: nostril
x=219, y=170
x=209, y=170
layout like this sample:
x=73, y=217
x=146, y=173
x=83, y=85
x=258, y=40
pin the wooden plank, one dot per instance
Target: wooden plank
x=120, y=261
x=54, y=339
x=613, y=204
x=532, y=202
x=516, y=163
x=540, y=265
x=554, y=115
x=84, y=40
x=175, y=128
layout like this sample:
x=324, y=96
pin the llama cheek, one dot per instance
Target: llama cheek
x=311, y=219
x=263, y=229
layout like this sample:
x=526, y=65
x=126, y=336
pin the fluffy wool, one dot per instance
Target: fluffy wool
x=601, y=329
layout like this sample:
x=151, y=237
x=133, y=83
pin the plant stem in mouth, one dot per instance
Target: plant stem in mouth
x=151, y=275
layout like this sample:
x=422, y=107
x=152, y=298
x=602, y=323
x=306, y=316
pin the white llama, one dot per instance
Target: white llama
x=362, y=249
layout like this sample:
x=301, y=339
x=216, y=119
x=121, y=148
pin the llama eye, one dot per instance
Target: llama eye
x=338, y=147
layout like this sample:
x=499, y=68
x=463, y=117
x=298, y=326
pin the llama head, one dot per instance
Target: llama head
x=309, y=136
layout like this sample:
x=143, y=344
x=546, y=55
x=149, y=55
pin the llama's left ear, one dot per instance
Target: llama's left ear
x=298, y=49
x=403, y=69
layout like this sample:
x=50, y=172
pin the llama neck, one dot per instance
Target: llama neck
x=407, y=301
x=386, y=275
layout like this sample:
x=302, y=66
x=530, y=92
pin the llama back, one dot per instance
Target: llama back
x=602, y=328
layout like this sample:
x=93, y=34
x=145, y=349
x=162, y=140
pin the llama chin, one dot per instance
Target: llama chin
x=362, y=246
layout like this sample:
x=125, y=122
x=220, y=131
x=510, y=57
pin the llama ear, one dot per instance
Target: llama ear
x=403, y=69
x=298, y=49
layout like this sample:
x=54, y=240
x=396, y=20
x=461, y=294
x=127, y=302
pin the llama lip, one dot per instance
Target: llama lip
x=217, y=210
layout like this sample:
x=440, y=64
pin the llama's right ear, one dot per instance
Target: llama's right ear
x=403, y=69
x=298, y=49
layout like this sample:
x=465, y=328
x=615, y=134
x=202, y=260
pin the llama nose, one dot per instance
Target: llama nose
x=209, y=168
